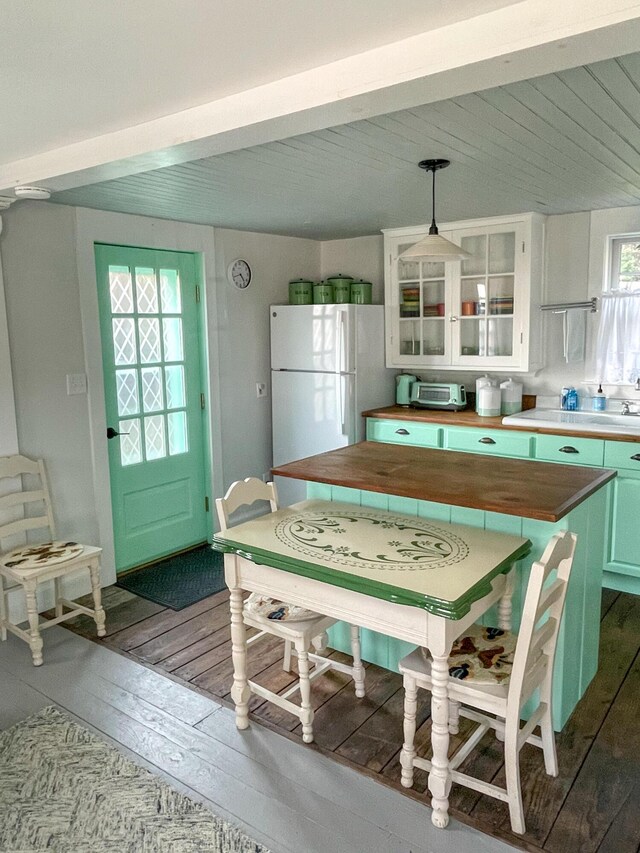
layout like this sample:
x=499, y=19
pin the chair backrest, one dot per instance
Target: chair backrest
x=244, y=493
x=540, y=623
x=25, y=504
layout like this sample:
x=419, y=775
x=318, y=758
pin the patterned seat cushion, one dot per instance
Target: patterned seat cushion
x=482, y=655
x=264, y=607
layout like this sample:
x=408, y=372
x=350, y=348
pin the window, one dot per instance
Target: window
x=624, y=270
x=618, y=340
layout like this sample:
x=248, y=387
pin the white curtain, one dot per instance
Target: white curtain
x=618, y=345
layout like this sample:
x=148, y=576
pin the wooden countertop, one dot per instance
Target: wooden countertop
x=542, y=490
x=469, y=418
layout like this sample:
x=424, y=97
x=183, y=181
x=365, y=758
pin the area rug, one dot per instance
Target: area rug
x=178, y=581
x=64, y=790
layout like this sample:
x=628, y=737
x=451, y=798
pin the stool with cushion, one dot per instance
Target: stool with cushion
x=496, y=672
x=298, y=627
x=25, y=506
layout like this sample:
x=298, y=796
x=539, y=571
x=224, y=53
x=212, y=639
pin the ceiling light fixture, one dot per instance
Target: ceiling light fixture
x=434, y=246
x=39, y=193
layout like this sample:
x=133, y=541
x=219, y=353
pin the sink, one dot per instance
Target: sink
x=558, y=419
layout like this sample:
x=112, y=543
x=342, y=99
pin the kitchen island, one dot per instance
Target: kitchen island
x=526, y=498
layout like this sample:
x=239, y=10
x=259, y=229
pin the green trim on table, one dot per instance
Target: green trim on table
x=448, y=609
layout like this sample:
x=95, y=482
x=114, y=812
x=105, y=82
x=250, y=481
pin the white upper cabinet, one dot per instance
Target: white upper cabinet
x=475, y=314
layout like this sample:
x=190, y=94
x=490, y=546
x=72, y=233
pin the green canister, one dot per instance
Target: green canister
x=300, y=292
x=361, y=292
x=341, y=287
x=322, y=293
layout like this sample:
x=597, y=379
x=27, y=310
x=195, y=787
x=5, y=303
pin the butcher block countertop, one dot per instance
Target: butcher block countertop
x=545, y=491
x=469, y=418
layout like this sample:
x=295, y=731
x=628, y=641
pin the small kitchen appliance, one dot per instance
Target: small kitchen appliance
x=439, y=395
x=404, y=381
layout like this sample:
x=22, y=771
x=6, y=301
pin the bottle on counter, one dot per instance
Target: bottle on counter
x=569, y=400
x=488, y=401
x=599, y=400
x=511, y=397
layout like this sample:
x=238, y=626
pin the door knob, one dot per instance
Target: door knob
x=112, y=433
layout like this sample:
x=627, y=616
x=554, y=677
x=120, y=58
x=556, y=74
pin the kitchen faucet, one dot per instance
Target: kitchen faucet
x=626, y=410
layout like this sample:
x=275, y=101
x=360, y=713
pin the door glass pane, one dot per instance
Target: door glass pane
x=127, y=392
x=120, y=290
x=433, y=335
x=477, y=247
x=433, y=299
x=124, y=340
x=410, y=341
x=501, y=294
x=408, y=270
x=149, y=337
x=146, y=291
x=502, y=252
x=472, y=335
x=432, y=269
x=410, y=301
x=130, y=445
x=474, y=294
x=177, y=424
x=172, y=333
x=170, y=296
x=174, y=380
x=152, y=394
x=500, y=337
x=154, y=437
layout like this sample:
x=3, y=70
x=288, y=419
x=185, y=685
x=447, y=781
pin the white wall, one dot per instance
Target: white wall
x=360, y=257
x=8, y=426
x=243, y=339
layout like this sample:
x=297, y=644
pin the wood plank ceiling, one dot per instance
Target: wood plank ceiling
x=555, y=144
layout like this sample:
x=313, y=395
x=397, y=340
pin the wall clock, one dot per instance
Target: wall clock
x=239, y=273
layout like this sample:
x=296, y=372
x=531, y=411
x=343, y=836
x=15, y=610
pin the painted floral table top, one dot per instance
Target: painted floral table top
x=430, y=564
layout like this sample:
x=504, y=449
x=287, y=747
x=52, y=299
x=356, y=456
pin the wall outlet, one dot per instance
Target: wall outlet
x=261, y=389
x=76, y=383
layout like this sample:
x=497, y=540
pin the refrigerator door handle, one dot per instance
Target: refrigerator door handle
x=342, y=390
x=342, y=342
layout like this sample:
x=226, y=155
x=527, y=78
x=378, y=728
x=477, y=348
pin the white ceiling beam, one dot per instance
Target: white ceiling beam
x=519, y=41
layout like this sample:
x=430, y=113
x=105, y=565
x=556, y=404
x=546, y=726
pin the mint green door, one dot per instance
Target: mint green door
x=149, y=319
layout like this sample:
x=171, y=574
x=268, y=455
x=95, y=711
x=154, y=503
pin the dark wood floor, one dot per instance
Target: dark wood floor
x=593, y=805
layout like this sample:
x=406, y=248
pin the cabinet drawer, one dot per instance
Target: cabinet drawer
x=570, y=450
x=403, y=432
x=622, y=454
x=497, y=442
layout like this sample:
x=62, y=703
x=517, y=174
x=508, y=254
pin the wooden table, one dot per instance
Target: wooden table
x=421, y=581
x=522, y=497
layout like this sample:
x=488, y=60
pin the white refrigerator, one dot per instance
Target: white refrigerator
x=327, y=367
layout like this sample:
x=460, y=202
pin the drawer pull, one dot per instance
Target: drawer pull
x=568, y=449
x=636, y=457
x=486, y=440
x=402, y=432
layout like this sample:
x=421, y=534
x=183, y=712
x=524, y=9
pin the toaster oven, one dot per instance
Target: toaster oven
x=438, y=395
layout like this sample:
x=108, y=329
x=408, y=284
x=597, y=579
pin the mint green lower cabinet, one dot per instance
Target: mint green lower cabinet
x=622, y=568
x=404, y=432
x=496, y=442
x=577, y=654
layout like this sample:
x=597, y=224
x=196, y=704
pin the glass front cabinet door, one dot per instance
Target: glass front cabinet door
x=473, y=314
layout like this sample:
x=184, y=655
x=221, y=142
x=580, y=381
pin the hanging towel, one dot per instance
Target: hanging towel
x=575, y=329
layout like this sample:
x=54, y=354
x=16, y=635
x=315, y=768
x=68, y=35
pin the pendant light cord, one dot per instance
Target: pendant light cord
x=434, y=227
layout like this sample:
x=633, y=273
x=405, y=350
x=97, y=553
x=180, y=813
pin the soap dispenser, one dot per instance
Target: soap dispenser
x=599, y=400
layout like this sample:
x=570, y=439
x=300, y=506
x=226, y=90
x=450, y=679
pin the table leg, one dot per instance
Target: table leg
x=440, y=776
x=240, y=691
x=505, y=606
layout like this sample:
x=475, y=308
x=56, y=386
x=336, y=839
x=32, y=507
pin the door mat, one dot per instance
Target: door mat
x=180, y=580
x=64, y=790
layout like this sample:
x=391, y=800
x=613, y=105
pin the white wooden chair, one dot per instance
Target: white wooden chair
x=485, y=679
x=25, y=506
x=298, y=628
